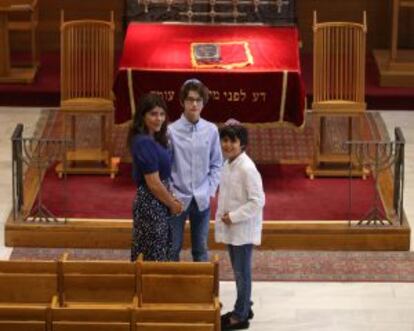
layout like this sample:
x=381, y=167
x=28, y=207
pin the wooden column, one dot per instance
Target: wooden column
x=28, y=10
x=4, y=44
x=394, y=29
x=396, y=66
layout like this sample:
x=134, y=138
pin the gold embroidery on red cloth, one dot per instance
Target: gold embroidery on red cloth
x=217, y=64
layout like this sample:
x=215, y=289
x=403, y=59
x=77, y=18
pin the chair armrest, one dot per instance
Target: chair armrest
x=217, y=303
x=134, y=302
x=54, y=302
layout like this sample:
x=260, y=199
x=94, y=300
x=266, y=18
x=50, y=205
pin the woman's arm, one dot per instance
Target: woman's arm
x=159, y=190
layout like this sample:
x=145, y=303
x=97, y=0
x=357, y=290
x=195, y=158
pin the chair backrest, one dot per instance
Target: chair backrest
x=176, y=282
x=87, y=58
x=96, y=281
x=339, y=64
x=27, y=281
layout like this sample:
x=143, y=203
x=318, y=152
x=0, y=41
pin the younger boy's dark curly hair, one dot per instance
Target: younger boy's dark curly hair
x=234, y=132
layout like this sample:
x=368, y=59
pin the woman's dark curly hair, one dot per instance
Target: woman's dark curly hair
x=147, y=103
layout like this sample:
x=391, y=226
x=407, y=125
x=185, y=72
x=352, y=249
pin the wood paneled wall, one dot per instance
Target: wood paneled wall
x=378, y=13
x=378, y=17
x=49, y=20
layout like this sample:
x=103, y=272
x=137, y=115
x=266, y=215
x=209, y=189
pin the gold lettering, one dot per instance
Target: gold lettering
x=166, y=95
x=215, y=95
x=256, y=96
x=235, y=96
x=243, y=95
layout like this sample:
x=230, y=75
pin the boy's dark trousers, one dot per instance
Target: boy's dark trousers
x=241, y=261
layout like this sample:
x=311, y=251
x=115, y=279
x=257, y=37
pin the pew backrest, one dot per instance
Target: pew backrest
x=176, y=282
x=28, y=281
x=97, y=281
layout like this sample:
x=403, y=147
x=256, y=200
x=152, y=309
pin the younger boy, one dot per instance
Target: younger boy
x=239, y=218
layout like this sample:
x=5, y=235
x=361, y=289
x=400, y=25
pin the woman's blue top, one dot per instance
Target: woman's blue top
x=148, y=157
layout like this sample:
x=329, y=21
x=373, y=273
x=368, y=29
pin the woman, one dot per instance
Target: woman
x=153, y=204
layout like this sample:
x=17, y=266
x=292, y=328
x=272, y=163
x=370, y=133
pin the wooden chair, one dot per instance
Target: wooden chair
x=338, y=90
x=18, y=15
x=94, y=295
x=28, y=290
x=176, y=296
x=87, y=65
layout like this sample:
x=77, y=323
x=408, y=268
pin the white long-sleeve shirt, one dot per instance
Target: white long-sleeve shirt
x=241, y=195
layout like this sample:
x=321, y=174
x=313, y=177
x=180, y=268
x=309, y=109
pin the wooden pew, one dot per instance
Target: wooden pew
x=28, y=290
x=95, y=295
x=68, y=295
x=176, y=296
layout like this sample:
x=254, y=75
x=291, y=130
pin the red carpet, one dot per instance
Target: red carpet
x=276, y=265
x=45, y=91
x=289, y=195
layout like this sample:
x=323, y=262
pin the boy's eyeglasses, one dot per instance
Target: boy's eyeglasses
x=192, y=100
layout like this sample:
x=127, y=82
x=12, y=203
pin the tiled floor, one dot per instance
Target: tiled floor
x=283, y=306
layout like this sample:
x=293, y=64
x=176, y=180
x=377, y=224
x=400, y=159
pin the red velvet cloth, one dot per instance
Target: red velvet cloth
x=160, y=57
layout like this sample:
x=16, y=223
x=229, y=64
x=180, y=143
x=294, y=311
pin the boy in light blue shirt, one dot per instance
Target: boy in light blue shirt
x=197, y=160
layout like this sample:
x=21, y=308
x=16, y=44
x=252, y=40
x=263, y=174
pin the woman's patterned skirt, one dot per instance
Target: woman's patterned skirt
x=151, y=234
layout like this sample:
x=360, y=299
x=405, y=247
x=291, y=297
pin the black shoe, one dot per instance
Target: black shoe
x=240, y=325
x=251, y=314
x=225, y=318
x=227, y=315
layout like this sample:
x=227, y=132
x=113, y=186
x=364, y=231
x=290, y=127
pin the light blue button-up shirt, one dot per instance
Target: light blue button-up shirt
x=197, y=161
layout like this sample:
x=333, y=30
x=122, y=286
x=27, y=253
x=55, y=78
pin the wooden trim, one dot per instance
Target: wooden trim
x=394, y=29
x=216, y=276
x=138, y=277
x=283, y=96
x=131, y=92
x=305, y=235
x=61, y=279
